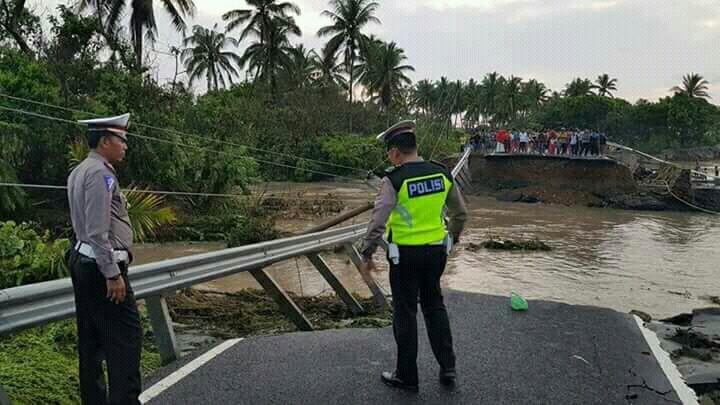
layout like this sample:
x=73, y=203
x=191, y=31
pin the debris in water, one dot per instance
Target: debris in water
x=507, y=244
x=253, y=312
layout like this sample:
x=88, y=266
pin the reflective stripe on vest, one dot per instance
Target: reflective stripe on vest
x=418, y=217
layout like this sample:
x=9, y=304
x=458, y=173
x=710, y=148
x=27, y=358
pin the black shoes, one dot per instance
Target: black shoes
x=392, y=380
x=447, y=377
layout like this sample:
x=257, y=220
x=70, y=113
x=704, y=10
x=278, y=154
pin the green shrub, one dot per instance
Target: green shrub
x=363, y=152
x=40, y=365
x=27, y=257
x=237, y=227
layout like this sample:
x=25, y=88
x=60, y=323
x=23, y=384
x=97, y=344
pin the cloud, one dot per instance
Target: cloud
x=710, y=24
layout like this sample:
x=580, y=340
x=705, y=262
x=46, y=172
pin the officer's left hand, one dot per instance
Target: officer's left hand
x=368, y=265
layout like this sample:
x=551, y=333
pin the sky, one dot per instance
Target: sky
x=648, y=45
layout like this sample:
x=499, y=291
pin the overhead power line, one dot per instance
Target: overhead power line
x=176, y=193
x=48, y=117
x=176, y=132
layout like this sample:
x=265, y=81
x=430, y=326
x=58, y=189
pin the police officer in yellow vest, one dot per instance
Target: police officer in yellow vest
x=410, y=213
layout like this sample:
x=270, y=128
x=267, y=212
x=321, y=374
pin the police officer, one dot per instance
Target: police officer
x=409, y=211
x=108, y=322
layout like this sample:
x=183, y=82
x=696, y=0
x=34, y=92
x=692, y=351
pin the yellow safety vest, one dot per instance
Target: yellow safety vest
x=417, y=219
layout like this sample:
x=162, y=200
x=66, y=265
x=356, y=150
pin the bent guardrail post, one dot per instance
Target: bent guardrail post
x=323, y=268
x=335, y=283
x=283, y=300
x=377, y=293
x=161, y=323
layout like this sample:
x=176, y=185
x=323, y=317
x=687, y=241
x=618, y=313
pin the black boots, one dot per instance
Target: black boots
x=392, y=380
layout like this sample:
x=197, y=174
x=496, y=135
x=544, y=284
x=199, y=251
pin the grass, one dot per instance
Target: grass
x=40, y=365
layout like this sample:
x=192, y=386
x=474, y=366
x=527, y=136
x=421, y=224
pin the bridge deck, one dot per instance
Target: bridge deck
x=553, y=354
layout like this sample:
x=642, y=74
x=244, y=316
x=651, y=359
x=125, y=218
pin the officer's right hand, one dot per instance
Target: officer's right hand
x=116, y=290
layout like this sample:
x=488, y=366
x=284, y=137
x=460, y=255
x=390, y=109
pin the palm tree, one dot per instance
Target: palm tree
x=142, y=18
x=301, y=68
x=490, y=89
x=693, y=86
x=472, y=103
x=329, y=71
x=260, y=17
x=605, y=85
x=534, y=93
x=511, y=98
x=423, y=96
x=271, y=55
x=457, y=106
x=348, y=17
x=205, y=54
x=442, y=99
x=578, y=88
x=384, y=72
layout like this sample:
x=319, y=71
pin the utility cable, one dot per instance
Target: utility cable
x=176, y=132
x=177, y=193
x=38, y=115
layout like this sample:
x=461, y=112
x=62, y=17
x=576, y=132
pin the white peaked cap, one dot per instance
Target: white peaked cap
x=117, y=124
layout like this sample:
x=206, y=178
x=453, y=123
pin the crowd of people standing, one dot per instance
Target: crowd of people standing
x=549, y=142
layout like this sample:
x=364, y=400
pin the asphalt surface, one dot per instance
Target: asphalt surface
x=553, y=354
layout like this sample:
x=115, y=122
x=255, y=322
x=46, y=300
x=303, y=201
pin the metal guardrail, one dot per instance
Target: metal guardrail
x=462, y=162
x=461, y=171
x=37, y=304
x=41, y=303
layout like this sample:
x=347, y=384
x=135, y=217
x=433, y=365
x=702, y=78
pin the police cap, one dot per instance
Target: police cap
x=117, y=125
x=402, y=133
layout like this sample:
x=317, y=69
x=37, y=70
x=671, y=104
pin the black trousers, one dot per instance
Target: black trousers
x=418, y=272
x=106, y=331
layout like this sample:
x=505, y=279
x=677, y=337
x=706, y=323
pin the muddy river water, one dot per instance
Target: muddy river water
x=660, y=263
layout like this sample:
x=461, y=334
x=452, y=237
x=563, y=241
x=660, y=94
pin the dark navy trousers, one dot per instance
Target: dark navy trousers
x=418, y=273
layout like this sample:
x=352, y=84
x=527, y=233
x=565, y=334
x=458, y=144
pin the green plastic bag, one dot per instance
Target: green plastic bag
x=517, y=302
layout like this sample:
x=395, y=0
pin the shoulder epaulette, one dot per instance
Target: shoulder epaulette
x=390, y=169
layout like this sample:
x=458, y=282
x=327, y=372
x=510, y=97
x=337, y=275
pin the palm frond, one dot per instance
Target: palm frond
x=147, y=212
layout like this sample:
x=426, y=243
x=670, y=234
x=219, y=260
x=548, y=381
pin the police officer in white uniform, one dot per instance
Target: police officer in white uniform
x=108, y=322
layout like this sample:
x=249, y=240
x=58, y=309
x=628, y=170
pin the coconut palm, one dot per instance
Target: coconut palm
x=534, y=93
x=472, y=103
x=301, y=68
x=605, y=85
x=205, y=55
x=442, y=99
x=329, y=71
x=142, y=18
x=271, y=55
x=423, y=96
x=694, y=86
x=510, y=98
x=384, y=72
x=258, y=18
x=578, y=88
x=490, y=89
x=348, y=17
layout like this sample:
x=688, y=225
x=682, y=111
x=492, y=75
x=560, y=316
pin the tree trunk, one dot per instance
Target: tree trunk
x=20, y=41
x=138, y=45
x=352, y=71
